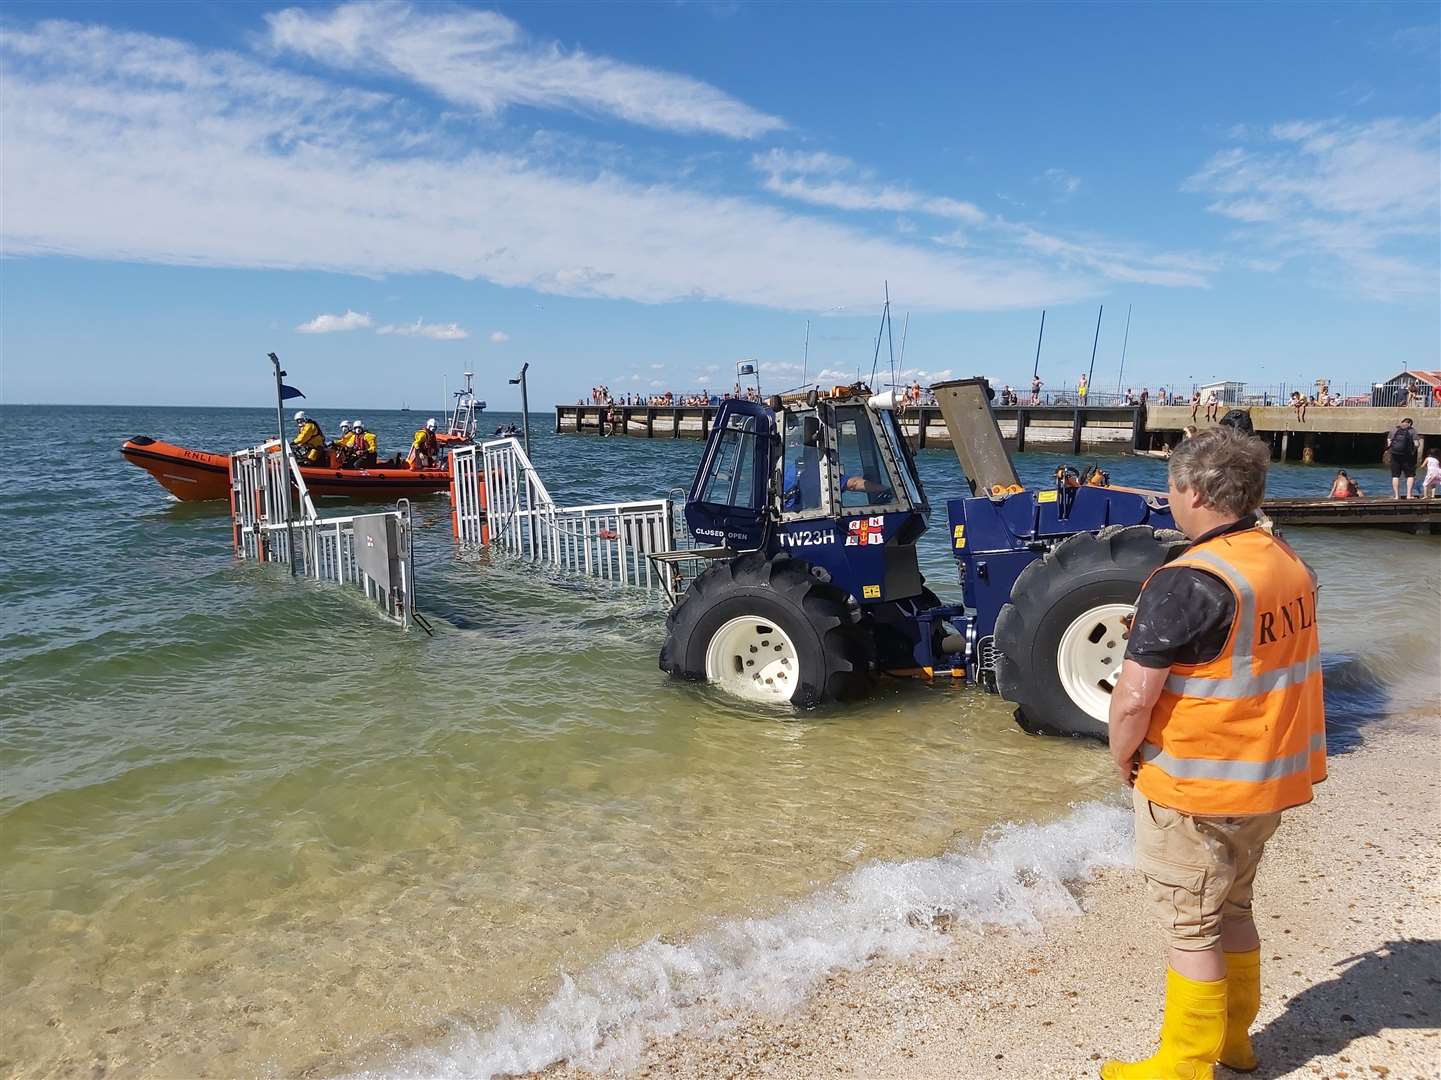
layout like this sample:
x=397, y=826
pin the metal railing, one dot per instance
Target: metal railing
x=499, y=500
x=370, y=551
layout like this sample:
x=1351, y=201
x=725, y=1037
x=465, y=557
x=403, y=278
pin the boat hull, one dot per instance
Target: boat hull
x=200, y=476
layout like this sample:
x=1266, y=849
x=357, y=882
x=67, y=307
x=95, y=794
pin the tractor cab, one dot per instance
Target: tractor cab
x=828, y=478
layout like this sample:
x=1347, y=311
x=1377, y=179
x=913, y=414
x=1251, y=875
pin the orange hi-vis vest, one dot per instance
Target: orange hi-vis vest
x=1244, y=733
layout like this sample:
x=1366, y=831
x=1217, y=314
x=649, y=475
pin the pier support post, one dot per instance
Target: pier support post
x=1138, y=428
x=649, y=423
x=705, y=422
x=924, y=421
x=674, y=422
x=557, y=419
x=1285, y=444
x=1076, y=431
x=1021, y=416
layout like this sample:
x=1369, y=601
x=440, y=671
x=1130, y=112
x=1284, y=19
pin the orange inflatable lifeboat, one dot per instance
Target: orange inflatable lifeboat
x=200, y=476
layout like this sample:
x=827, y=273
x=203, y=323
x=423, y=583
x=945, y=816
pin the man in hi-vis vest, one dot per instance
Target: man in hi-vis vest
x=1217, y=723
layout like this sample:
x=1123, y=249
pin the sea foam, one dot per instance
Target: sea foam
x=601, y=1018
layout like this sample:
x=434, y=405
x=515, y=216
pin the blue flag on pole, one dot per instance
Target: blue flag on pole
x=288, y=392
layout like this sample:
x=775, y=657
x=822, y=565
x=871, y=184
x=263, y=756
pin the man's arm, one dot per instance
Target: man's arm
x=1135, y=695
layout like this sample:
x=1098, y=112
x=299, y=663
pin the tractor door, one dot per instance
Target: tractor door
x=728, y=503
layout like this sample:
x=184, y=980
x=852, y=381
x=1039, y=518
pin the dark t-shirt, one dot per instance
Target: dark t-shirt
x=1184, y=615
x=1403, y=449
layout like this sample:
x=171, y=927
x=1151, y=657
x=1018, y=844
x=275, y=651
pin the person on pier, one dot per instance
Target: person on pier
x=1218, y=726
x=1343, y=487
x=1401, y=456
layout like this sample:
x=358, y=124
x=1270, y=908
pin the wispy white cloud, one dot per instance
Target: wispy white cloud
x=825, y=179
x=1361, y=199
x=499, y=337
x=1062, y=183
x=1425, y=38
x=1119, y=262
x=331, y=324
x=830, y=180
x=434, y=331
x=138, y=148
x=485, y=61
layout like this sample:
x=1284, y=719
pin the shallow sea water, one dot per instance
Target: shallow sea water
x=246, y=828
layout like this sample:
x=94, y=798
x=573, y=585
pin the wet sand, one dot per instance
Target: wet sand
x=1349, y=906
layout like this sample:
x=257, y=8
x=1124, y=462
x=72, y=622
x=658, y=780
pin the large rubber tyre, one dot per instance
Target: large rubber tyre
x=1062, y=606
x=831, y=650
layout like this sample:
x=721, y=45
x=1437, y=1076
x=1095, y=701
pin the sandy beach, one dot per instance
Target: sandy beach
x=1349, y=905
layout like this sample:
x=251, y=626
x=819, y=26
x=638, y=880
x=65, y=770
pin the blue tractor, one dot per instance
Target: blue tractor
x=808, y=508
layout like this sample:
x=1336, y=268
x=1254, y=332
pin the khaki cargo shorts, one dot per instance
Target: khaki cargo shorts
x=1200, y=870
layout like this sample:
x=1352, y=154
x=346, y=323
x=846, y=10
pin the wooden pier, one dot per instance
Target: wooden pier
x=1413, y=515
x=1037, y=426
x=1325, y=434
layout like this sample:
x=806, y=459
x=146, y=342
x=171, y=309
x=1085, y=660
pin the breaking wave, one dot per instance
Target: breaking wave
x=1017, y=876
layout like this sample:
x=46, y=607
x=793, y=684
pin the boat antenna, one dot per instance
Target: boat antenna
x=806, y=354
x=1121, y=374
x=905, y=328
x=876, y=359
x=890, y=337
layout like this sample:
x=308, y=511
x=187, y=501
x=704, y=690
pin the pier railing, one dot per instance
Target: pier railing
x=272, y=524
x=500, y=501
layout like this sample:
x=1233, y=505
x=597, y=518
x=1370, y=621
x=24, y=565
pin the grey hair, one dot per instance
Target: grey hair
x=1227, y=469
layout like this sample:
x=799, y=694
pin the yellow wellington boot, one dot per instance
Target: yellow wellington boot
x=1243, y=1002
x=1191, y=1034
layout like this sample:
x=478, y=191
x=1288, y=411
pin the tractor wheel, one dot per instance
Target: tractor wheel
x=769, y=630
x=1061, y=637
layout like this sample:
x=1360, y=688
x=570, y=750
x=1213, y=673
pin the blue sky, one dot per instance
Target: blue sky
x=641, y=195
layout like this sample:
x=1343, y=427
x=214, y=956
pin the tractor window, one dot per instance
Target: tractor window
x=901, y=452
x=801, y=479
x=732, y=470
x=863, y=477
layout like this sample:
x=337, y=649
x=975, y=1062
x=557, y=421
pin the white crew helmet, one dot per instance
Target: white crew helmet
x=357, y=425
x=430, y=424
x=345, y=425
x=300, y=417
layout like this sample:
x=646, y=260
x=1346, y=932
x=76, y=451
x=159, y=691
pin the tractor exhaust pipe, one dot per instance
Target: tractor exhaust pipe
x=966, y=407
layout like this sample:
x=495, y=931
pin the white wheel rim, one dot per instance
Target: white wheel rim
x=1088, y=659
x=753, y=659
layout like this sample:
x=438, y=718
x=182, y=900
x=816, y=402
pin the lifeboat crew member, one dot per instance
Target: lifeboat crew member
x=309, y=441
x=344, y=445
x=1217, y=723
x=424, y=448
x=366, y=447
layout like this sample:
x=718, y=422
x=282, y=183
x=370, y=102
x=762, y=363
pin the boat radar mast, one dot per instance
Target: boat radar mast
x=462, y=419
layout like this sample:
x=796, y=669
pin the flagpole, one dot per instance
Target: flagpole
x=285, y=456
x=524, y=405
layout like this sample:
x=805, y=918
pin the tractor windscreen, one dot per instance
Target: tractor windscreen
x=901, y=454
x=732, y=468
x=801, y=473
x=864, y=481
